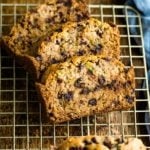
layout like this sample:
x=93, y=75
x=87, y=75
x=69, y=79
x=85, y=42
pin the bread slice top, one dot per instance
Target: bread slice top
x=86, y=85
x=90, y=36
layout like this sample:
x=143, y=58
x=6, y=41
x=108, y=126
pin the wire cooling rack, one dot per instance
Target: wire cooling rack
x=21, y=125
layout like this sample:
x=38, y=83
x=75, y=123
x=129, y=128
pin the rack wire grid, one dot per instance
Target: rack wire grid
x=21, y=125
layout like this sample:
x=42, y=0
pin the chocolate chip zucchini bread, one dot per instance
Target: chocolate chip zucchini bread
x=26, y=36
x=101, y=143
x=86, y=85
x=89, y=36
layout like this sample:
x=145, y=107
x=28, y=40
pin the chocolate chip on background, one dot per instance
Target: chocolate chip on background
x=101, y=80
x=94, y=140
x=76, y=148
x=85, y=91
x=87, y=142
x=92, y=102
x=107, y=59
x=80, y=66
x=59, y=80
x=54, y=61
x=99, y=33
x=97, y=49
x=80, y=52
x=79, y=83
x=65, y=96
x=129, y=99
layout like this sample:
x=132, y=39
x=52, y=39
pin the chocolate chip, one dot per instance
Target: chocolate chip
x=112, y=24
x=80, y=52
x=57, y=42
x=79, y=66
x=65, y=96
x=76, y=148
x=64, y=55
x=64, y=20
x=107, y=59
x=130, y=99
x=54, y=61
x=99, y=33
x=97, y=63
x=48, y=20
x=59, y=80
x=60, y=14
x=87, y=142
x=51, y=114
x=78, y=83
x=101, y=80
x=80, y=27
x=107, y=142
x=68, y=3
x=97, y=49
x=79, y=17
x=94, y=140
x=85, y=90
x=92, y=102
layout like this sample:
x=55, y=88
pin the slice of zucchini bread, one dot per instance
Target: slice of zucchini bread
x=89, y=36
x=86, y=85
x=26, y=36
x=94, y=142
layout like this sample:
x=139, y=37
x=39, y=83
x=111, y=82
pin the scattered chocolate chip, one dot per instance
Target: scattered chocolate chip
x=85, y=90
x=92, y=102
x=60, y=14
x=79, y=83
x=80, y=27
x=97, y=63
x=76, y=148
x=87, y=142
x=57, y=42
x=101, y=80
x=54, y=61
x=79, y=66
x=99, y=33
x=79, y=17
x=48, y=20
x=111, y=24
x=59, y=80
x=64, y=55
x=130, y=99
x=51, y=114
x=107, y=59
x=97, y=49
x=107, y=144
x=68, y=3
x=65, y=96
x=80, y=52
x=94, y=140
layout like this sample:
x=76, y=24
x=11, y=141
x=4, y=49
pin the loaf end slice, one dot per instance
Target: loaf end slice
x=26, y=36
x=86, y=85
